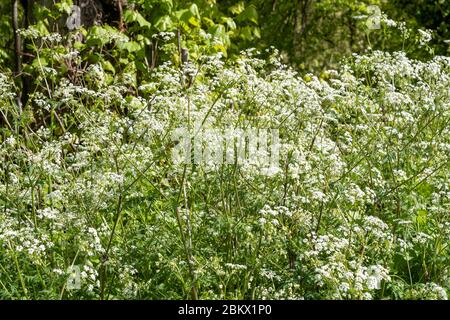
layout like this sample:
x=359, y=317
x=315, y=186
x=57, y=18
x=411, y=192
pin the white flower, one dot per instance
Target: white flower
x=49, y=213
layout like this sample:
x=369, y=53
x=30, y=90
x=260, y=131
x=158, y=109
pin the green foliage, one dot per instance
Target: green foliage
x=5, y=31
x=312, y=35
x=433, y=15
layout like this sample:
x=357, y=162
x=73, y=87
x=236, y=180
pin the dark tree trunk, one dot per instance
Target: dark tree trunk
x=301, y=16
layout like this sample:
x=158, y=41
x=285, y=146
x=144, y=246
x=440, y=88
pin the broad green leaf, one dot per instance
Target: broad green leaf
x=249, y=14
x=91, y=42
x=208, y=22
x=229, y=22
x=183, y=14
x=194, y=10
x=94, y=57
x=166, y=4
x=193, y=21
x=164, y=23
x=246, y=33
x=256, y=32
x=237, y=8
x=130, y=46
x=421, y=217
x=220, y=48
x=107, y=66
x=41, y=26
x=141, y=66
x=38, y=62
x=64, y=6
x=134, y=16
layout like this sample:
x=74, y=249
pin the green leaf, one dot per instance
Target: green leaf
x=229, y=22
x=166, y=4
x=41, y=26
x=194, y=10
x=124, y=61
x=220, y=32
x=421, y=217
x=164, y=23
x=186, y=16
x=143, y=39
x=237, y=8
x=64, y=6
x=94, y=57
x=38, y=62
x=208, y=22
x=91, y=42
x=217, y=30
x=246, y=33
x=141, y=66
x=220, y=48
x=193, y=21
x=134, y=16
x=130, y=46
x=183, y=14
x=107, y=66
x=249, y=14
x=256, y=32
